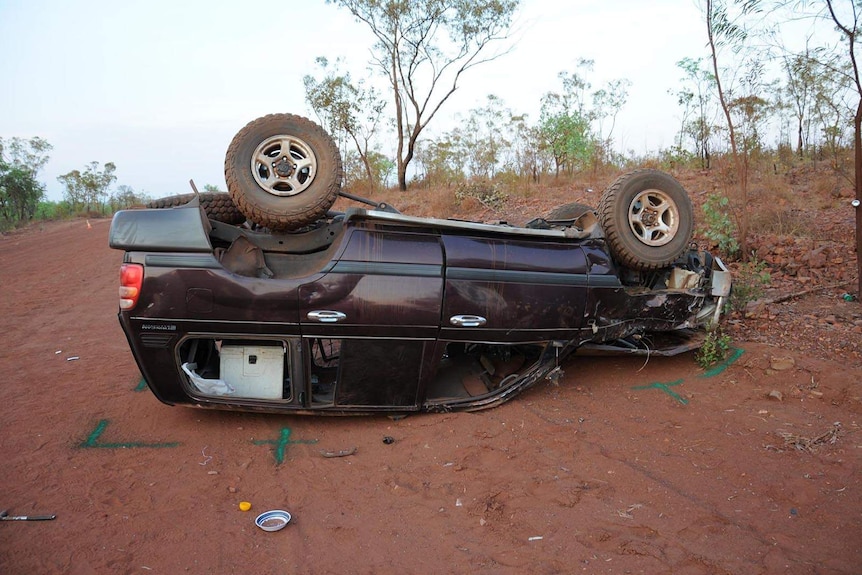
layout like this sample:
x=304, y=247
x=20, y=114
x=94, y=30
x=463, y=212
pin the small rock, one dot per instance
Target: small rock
x=781, y=363
x=754, y=308
x=231, y=489
x=775, y=394
x=817, y=258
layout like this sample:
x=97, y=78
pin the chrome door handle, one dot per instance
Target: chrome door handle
x=467, y=320
x=326, y=316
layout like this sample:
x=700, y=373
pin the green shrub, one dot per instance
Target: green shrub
x=715, y=347
x=749, y=282
x=718, y=227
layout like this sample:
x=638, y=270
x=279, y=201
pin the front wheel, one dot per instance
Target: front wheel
x=568, y=212
x=647, y=218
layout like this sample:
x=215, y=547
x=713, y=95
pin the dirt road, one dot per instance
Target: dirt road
x=625, y=467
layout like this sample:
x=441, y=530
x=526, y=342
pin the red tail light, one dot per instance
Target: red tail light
x=131, y=278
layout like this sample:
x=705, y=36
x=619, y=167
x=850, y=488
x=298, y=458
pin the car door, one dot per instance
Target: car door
x=379, y=305
x=501, y=288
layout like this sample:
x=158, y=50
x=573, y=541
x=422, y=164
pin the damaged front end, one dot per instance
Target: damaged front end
x=661, y=313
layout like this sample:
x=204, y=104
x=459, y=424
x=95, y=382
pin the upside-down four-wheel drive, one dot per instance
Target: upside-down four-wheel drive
x=265, y=299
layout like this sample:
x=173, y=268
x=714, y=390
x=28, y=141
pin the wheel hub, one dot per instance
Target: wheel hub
x=283, y=167
x=653, y=217
x=649, y=217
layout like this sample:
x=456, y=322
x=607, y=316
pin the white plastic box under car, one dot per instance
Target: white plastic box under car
x=254, y=371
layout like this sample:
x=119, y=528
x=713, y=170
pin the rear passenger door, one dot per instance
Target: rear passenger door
x=377, y=308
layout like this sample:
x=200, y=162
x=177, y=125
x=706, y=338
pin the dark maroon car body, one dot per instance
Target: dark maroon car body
x=378, y=312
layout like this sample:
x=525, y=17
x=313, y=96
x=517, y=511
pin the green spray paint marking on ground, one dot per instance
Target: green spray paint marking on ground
x=281, y=444
x=92, y=440
x=665, y=387
x=142, y=385
x=737, y=353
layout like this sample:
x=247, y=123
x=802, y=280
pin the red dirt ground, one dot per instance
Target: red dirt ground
x=605, y=473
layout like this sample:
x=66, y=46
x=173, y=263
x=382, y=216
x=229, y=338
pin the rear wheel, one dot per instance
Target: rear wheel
x=283, y=171
x=647, y=218
x=218, y=206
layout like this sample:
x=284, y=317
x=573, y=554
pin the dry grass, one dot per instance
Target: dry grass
x=782, y=201
x=801, y=443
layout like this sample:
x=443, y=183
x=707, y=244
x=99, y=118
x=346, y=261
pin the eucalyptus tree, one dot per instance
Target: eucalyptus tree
x=848, y=21
x=347, y=109
x=723, y=31
x=564, y=121
x=527, y=159
x=844, y=17
x=607, y=103
x=423, y=47
x=801, y=70
x=21, y=161
x=87, y=190
x=696, y=98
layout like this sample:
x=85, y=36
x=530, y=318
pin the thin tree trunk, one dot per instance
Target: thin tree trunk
x=857, y=135
x=741, y=171
x=857, y=163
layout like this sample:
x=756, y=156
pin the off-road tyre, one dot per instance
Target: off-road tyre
x=568, y=212
x=278, y=190
x=218, y=206
x=647, y=218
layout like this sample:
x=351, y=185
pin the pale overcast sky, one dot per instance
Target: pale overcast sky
x=159, y=87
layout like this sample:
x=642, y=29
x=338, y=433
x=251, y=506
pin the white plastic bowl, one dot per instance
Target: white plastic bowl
x=272, y=520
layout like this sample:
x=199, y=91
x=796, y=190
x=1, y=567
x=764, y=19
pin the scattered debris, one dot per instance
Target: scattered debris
x=4, y=516
x=627, y=513
x=801, y=443
x=775, y=394
x=388, y=440
x=342, y=453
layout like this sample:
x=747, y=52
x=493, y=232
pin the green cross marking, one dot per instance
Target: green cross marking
x=737, y=353
x=281, y=444
x=92, y=440
x=665, y=387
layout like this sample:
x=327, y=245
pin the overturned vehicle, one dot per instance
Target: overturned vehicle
x=264, y=299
